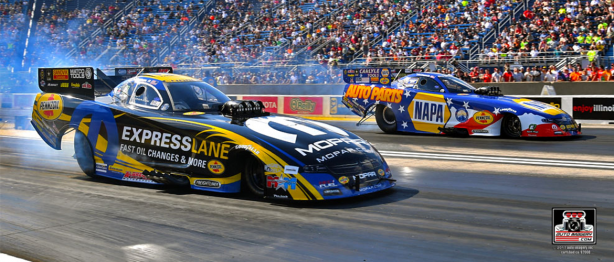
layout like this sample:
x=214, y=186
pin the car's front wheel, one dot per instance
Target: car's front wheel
x=84, y=154
x=385, y=118
x=254, y=176
x=511, y=126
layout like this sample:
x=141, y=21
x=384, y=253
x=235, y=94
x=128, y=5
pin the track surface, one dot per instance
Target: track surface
x=441, y=210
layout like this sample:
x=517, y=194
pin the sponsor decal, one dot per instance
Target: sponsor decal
x=281, y=182
x=381, y=94
x=428, y=111
x=207, y=183
x=558, y=132
x=338, y=152
x=552, y=101
x=86, y=85
x=562, y=127
x=193, y=113
x=344, y=180
x=508, y=110
x=53, y=84
x=385, y=72
x=173, y=141
x=75, y=85
x=43, y=84
x=101, y=167
x=367, y=188
x=88, y=73
x=462, y=115
x=216, y=167
x=532, y=127
x=554, y=127
x=270, y=102
x=60, y=74
x=116, y=169
x=384, y=80
x=135, y=177
x=574, y=226
x=332, y=192
x=50, y=106
x=327, y=183
x=78, y=73
x=381, y=172
x=292, y=170
x=279, y=196
x=328, y=143
x=479, y=131
x=273, y=168
x=64, y=84
x=593, y=108
x=249, y=148
x=483, y=118
x=367, y=176
x=303, y=105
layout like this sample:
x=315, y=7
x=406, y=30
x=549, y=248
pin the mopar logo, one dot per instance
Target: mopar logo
x=367, y=175
x=207, y=183
x=324, y=144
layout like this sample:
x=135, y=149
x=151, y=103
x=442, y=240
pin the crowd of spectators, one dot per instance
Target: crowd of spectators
x=569, y=73
x=556, y=28
x=312, y=75
x=12, y=24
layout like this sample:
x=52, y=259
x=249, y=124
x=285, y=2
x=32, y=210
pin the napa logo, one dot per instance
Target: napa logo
x=428, y=112
x=50, y=106
x=483, y=118
x=462, y=115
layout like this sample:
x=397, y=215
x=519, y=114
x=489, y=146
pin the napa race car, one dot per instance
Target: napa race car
x=442, y=104
x=164, y=128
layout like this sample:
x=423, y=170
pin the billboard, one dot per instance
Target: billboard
x=270, y=102
x=338, y=108
x=303, y=105
x=594, y=108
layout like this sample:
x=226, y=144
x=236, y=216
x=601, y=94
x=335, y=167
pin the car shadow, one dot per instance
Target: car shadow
x=392, y=195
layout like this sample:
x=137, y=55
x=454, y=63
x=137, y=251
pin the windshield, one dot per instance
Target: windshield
x=196, y=96
x=456, y=85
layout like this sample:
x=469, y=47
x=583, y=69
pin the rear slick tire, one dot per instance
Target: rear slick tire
x=385, y=118
x=84, y=154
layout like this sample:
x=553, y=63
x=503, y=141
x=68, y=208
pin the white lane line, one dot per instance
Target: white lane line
x=503, y=160
x=7, y=258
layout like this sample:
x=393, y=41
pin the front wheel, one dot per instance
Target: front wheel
x=511, y=126
x=254, y=176
x=85, y=154
x=385, y=118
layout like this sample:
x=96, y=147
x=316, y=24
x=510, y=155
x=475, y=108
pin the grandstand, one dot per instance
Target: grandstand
x=304, y=41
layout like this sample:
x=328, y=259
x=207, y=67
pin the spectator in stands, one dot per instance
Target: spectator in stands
x=517, y=75
x=496, y=75
x=575, y=76
x=487, y=76
x=507, y=76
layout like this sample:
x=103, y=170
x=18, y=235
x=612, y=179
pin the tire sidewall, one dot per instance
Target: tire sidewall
x=84, y=153
x=379, y=118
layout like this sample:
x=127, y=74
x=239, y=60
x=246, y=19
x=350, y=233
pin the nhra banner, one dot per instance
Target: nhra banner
x=338, y=108
x=303, y=105
x=77, y=81
x=601, y=108
x=270, y=102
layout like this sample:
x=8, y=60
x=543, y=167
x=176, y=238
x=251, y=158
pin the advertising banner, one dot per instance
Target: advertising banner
x=338, y=108
x=303, y=105
x=270, y=102
x=597, y=108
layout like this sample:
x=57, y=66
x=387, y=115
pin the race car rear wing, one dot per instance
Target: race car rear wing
x=82, y=81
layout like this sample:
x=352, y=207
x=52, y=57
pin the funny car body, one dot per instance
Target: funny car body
x=442, y=104
x=172, y=129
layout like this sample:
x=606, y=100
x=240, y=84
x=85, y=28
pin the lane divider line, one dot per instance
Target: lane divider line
x=503, y=160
